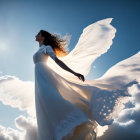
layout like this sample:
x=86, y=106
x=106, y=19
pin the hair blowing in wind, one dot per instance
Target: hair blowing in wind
x=59, y=44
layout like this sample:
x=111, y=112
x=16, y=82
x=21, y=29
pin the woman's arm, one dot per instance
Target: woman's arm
x=65, y=67
x=48, y=50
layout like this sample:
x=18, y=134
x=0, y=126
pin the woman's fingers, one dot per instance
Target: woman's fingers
x=80, y=76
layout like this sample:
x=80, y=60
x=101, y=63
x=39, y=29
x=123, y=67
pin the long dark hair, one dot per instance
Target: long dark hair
x=58, y=44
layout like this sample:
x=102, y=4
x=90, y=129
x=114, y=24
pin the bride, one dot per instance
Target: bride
x=68, y=107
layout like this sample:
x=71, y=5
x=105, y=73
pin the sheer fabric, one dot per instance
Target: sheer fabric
x=64, y=103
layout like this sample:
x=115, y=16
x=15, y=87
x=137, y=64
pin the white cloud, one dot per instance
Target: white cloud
x=9, y=133
x=127, y=124
x=18, y=94
x=27, y=130
x=28, y=125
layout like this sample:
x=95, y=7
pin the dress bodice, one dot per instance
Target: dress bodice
x=42, y=54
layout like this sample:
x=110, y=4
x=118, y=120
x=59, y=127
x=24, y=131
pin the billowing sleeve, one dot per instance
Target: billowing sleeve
x=48, y=50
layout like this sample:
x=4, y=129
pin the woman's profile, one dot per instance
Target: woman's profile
x=68, y=107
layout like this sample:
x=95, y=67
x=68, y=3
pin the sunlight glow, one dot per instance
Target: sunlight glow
x=3, y=46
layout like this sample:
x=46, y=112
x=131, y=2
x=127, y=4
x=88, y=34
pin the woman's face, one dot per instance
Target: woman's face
x=39, y=38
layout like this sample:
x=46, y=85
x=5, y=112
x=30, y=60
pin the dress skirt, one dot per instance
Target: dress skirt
x=64, y=109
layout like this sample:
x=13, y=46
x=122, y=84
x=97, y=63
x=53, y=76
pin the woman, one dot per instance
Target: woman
x=68, y=109
x=51, y=108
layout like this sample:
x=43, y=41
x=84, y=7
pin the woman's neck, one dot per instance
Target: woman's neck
x=40, y=43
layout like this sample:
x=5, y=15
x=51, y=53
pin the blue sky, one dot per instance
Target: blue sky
x=20, y=21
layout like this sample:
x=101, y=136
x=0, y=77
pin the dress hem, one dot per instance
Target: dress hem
x=66, y=126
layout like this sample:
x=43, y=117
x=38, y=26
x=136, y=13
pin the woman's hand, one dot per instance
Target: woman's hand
x=80, y=76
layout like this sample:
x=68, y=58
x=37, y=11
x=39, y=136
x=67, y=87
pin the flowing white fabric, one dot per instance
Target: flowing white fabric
x=63, y=102
x=95, y=40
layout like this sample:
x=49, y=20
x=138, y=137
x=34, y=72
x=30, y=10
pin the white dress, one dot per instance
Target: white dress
x=55, y=115
x=64, y=103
